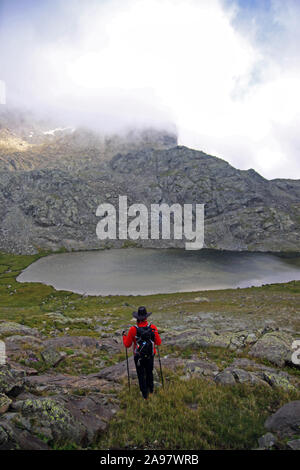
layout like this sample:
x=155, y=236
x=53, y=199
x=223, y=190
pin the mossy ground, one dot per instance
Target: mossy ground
x=194, y=414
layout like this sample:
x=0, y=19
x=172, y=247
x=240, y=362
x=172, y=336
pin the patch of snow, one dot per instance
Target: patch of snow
x=52, y=131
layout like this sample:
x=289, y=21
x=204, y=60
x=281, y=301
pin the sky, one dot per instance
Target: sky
x=224, y=73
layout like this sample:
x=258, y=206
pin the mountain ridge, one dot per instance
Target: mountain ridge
x=51, y=204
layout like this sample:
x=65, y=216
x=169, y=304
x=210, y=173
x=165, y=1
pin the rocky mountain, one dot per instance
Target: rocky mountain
x=50, y=190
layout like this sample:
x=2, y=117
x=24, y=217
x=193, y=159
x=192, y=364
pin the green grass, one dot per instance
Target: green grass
x=195, y=414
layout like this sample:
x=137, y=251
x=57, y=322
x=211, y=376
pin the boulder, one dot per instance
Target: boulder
x=278, y=379
x=4, y=403
x=49, y=418
x=286, y=421
x=13, y=437
x=63, y=383
x=71, y=342
x=294, y=444
x=267, y=441
x=25, y=370
x=225, y=378
x=201, y=368
x=111, y=345
x=11, y=380
x=240, y=339
x=17, y=342
x=94, y=412
x=275, y=346
x=118, y=372
x=231, y=376
x=52, y=357
x=9, y=328
x=203, y=337
x=37, y=423
x=206, y=337
x=258, y=375
x=244, y=376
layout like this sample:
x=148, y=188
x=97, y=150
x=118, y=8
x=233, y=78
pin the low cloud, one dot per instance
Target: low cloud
x=225, y=76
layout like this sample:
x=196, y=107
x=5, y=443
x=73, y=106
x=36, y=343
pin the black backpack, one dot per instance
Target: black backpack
x=144, y=341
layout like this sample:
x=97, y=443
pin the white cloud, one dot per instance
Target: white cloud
x=152, y=61
x=2, y=92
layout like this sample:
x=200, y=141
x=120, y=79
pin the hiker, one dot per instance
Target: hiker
x=144, y=336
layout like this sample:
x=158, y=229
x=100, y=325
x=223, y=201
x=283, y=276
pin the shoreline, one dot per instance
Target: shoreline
x=252, y=281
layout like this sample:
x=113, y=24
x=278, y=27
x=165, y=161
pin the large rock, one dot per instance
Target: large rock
x=206, y=337
x=48, y=417
x=246, y=371
x=278, y=379
x=68, y=341
x=275, y=346
x=232, y=376
x=9, y=328
x=13, y=437
x=118, y=372
x=225, y=378
x=52, y=357
x=294, y=444
x=61, y=420
x=11, y=380
x=94, y=412
x=267, y=441
x=201, y=368
x=4, y=403
x=203, y=337
x=23, y=369
x=112, y=344
x=63, y=383
x=16, y=343
x=286, y=421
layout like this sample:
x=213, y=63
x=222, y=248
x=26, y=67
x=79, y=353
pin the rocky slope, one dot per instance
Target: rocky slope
x=47, y=409
x=51, y=209
x=53, y=181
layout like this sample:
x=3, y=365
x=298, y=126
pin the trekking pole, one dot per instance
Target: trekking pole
x=127, y=368
x=161, y=374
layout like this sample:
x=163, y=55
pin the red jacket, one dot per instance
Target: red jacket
x=131, y=337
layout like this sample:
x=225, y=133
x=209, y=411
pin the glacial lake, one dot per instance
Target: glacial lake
x=140, y=271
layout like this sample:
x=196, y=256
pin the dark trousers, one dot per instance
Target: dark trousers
x=144, y=369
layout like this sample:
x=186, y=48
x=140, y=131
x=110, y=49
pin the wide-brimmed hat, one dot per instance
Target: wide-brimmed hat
x=141, y=314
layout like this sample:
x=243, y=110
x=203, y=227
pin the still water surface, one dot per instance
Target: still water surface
x=149, y=271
